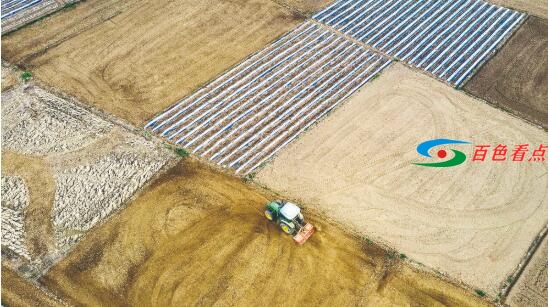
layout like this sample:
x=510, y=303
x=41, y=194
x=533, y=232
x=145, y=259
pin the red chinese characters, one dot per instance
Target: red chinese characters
x=519, y=153
x=538, y=154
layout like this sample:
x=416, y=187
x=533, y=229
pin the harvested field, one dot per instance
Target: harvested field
x=449, y=39
x=198, y=237
x=134, y=58
x=534, y=7
x=63, y=171
x=531, y=289
x=474, y=221
x=255, y=109
x=516, y=79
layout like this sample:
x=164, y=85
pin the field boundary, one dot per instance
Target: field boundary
x=518, y=271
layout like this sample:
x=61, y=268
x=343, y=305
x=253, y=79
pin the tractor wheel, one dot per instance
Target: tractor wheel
x=288, y=228
x=269, y=215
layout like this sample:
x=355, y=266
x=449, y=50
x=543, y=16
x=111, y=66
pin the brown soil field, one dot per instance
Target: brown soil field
x=531, y=289
x=474, y=221
x=17, y=291
x=533, y=7
x=135, y=58
x=516, y=79
x=195, y=236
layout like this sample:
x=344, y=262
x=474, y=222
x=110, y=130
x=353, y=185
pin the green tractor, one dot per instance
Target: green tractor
x=290, y=219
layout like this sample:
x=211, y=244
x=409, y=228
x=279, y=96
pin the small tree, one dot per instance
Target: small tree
x=26, y=76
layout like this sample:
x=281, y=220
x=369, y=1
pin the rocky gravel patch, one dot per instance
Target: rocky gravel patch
x=96, y=167
x=15, y=198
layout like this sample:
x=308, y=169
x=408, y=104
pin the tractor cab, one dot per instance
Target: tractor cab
x=290, y=219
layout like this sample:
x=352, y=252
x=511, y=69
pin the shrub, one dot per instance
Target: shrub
x=181, y=152
x=480, y=292
x=26, y=76
x=249, y=177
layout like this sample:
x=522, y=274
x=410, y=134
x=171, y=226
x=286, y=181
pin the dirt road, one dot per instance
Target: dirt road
x=516, y=79
x=474, y=221
x=135, y=58
x=198, y=237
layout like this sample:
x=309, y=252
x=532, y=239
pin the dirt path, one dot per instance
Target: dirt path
x=197, y=237
x=41, y=186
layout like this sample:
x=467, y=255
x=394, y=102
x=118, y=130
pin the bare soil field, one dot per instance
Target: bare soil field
x=534, y=7
x=198, y=237
x=516, y=79
x=307, y=7
x=531, y=289
x=63, y=171
x=473, y=221
x=134, y=58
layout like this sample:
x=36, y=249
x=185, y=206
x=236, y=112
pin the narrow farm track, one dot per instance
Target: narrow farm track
x=449, y=39
x=247, y=115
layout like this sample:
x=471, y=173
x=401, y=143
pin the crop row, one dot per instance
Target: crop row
x=248, y=114
x=449, y=39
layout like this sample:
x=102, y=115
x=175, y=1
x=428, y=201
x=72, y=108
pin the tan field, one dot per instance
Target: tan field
x=134, y=58
x=307, y=7
x=198, y=237
x=534, y=7
x=474, y=221
x=531, y=289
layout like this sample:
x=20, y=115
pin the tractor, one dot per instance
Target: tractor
x=290, y=219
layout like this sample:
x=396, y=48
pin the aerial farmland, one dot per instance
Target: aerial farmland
x=146, y=146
